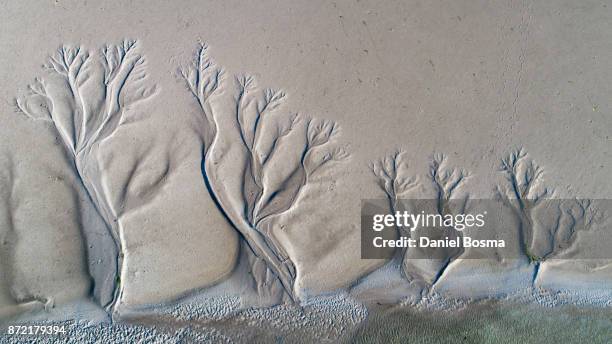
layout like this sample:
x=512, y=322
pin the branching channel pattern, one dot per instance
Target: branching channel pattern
x=272, y=174
x=85, y=96
x=392, y=175
x=393, y=178
x=559, y=222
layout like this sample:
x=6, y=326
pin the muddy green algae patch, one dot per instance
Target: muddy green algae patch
x=488, y=323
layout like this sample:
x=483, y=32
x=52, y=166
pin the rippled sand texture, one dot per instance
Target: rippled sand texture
x=335, y=321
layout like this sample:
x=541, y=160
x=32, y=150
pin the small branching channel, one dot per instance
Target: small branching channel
x=525, y=193
x=394, y=179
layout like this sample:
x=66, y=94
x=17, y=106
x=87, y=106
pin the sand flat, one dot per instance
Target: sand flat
x=160, y=154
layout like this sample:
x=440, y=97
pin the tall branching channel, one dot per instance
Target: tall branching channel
x=84, y=96
x=272, y=174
